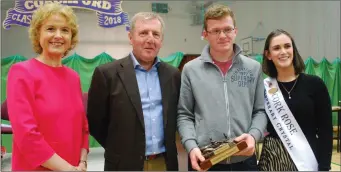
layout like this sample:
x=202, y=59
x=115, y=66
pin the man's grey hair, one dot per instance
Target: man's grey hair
x=146, y=16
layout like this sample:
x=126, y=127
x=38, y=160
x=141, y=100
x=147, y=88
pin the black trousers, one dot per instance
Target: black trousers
x=249, y=164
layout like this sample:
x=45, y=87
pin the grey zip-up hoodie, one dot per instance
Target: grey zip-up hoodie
x=212, y=106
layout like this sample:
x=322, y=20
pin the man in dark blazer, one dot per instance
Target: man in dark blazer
x=132, y=103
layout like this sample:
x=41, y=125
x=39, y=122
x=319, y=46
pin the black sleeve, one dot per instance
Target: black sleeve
x=178, y=82
x=97, y=111
x=324, y=127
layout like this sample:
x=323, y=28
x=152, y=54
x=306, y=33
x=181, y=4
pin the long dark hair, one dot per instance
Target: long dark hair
x=268, y=65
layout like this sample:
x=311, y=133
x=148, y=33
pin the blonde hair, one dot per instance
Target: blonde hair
x=43, y=13
x=146, y=16
x=218, y=11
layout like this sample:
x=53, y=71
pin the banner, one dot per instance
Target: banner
x=109, y=12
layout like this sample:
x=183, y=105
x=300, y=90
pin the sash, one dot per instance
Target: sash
x=287, y=127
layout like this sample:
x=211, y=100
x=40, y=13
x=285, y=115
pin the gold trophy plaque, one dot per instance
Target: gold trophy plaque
x=218, y=151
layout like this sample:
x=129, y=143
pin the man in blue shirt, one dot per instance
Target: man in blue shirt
x=132, y=103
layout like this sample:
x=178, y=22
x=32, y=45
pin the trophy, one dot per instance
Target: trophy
x=220, y=150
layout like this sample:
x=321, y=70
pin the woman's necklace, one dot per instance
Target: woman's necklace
x=291, y=87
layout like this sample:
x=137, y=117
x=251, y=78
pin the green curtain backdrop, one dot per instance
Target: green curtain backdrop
x=85, y=67
x=174, y=59
x=328, y=71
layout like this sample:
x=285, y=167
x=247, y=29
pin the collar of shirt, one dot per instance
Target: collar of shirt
x=138, y=66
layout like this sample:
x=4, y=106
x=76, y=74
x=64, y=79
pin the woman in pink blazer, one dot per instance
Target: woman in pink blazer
x=44, y=98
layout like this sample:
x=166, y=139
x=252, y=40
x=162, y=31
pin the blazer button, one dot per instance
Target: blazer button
x=141, y=157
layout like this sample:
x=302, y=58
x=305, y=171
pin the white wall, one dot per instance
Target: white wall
x=315, y=26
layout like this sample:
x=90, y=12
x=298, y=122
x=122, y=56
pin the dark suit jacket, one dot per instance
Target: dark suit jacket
x=115, y=114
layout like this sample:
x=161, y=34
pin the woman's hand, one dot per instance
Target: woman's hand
x=82, y=166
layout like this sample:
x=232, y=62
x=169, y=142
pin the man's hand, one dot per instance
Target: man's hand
x=196, y=156
x=250, y=141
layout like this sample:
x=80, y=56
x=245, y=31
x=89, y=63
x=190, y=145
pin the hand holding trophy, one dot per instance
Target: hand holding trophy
x=220, y=150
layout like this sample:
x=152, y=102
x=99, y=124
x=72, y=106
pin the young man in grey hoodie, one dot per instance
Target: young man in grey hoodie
x=221, y=95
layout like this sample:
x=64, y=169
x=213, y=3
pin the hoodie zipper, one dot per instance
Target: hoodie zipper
x=227, y=108
x=226, y=99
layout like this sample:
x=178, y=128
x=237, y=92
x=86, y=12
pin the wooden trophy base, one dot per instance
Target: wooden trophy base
x=224, y=151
